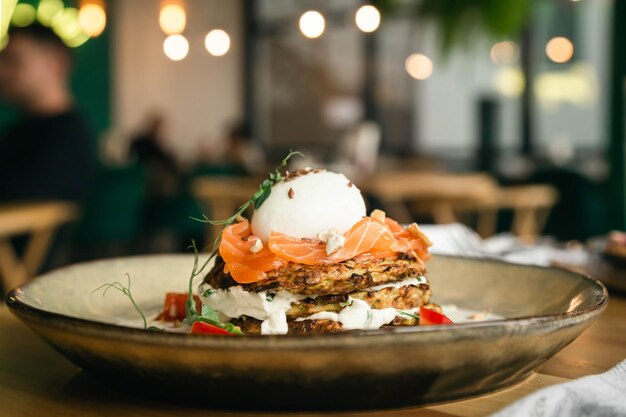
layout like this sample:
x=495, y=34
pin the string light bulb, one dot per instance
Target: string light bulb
x=367, y=18
x=419, y=66
x=560, y=49
x=312, y=24
x=48, y=10
x=176, y=47
x=505, y=52
x=92, y=19
x=66, y=24
x=172, y=19
x=217, y=42
x=24, y=14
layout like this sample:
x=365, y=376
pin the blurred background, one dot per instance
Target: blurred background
x=121, y=120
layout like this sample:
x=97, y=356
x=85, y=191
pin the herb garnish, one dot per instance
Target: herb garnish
x=126, y=291
x=208, y=292
x=346, y=303
x=207, y=314
x=258, y=198
x=264, y=191
x=409, y=314
x=269, y=297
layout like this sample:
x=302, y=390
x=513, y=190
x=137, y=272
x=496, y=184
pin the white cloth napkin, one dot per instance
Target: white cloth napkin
x=453, y=239
x=600, y=395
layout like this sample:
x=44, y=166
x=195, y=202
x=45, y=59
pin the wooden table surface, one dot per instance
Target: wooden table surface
x=37, y=381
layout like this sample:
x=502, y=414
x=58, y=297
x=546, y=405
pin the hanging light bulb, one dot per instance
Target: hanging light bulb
x=176, y=47
x=23, y=15
x=367, y=18
x=172, y=19
x=559, y=49
x=312, y=24
x=92, y=18
x=7, y=8
x=505, y=52
x=66, y=24
x=419, y=66
x=48, y=10
x=217, y=42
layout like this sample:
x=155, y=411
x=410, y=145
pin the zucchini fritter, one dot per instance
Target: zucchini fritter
x=403, y=298
x=341, y=278
x=252, y=326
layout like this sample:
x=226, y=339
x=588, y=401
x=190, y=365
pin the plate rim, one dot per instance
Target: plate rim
x=115, y=331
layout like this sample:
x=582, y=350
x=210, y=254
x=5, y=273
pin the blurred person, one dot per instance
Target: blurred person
x=48, y=152
x=148, y=147
x=243, y=152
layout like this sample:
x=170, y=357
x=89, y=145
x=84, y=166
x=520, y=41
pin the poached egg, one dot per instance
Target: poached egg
x=309, y=202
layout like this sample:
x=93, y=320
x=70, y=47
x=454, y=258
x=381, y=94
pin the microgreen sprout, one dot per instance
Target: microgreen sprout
x=257, y=199
x=409, y=314
x=346, y=303
x=126, y=291
x=207, y=315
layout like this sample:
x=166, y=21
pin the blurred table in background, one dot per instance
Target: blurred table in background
x=222, y=197
x=436, y=193
x=444, y=197
x=39, y=222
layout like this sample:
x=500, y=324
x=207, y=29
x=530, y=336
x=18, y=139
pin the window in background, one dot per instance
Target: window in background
x=307, y=91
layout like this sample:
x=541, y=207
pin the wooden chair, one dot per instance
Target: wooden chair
x=531, y=205
x=440, y=195
x=447, y=197
x=223, y=196
x=40, y=222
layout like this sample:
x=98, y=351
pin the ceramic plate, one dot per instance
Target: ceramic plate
x=542, y=311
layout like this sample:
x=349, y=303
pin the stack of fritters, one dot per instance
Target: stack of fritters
x=329, y=288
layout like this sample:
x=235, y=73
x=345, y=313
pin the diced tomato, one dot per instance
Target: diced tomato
x=429, y=317
x=174, y=308
x=200, y=327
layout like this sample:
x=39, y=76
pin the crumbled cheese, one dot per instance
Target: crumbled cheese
x=323, y=236
x=417, y=232
x=378, y=215
x=257, y=246
x=334, y=241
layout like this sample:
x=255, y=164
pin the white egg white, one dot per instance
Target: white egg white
x=309, y=204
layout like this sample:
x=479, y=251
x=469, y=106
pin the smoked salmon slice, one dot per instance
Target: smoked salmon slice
x=368, y=236
x=243, y=265
x=371, y=237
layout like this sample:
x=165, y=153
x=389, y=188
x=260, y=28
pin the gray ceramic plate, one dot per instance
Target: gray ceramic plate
x=545, y=310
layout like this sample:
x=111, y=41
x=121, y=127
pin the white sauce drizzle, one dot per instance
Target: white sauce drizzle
x=404, y=283
x=272, y=308
x=358, y=315
x=235, y=302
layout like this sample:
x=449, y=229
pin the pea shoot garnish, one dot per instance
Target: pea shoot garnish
x=207, y=314
x=259, y=197
x=409, y=314
x=126, y=291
